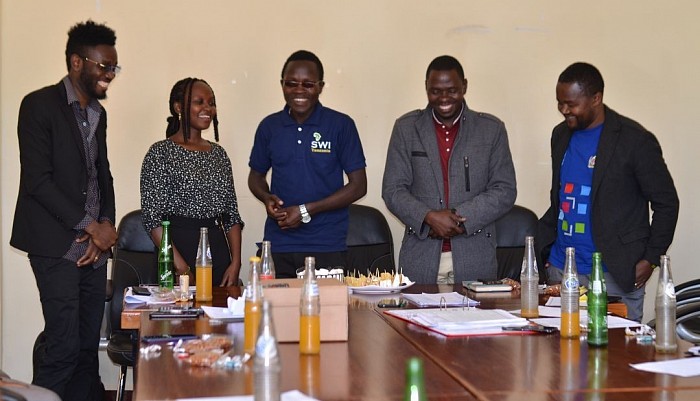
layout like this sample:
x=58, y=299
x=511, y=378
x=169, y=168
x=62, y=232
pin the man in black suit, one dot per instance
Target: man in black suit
x=606, y=172
x=64, y=217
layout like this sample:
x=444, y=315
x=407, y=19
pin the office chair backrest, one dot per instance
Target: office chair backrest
x=511, y=230
x=692, y=285
x=688, y=322
x=369, y=241
x=134, y=262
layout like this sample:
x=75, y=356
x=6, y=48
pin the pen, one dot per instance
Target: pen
x=466, y=173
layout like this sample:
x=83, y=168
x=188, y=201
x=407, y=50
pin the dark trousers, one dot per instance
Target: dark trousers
x=287, y=263
x=185, y=236
x=72, y=301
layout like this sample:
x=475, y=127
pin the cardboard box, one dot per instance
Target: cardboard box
x=284, y=295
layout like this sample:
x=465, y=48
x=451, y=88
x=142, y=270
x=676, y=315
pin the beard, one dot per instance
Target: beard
x=89, y=84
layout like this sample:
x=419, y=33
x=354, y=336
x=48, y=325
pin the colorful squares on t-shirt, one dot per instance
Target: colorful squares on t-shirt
x=579, y=228
x=582, y=208
x=568, y=188
x=564, y=225
x=566, y=207
x=585, y=190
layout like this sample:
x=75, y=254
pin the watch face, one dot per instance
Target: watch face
x=305, y=218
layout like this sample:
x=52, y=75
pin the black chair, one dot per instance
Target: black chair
x=688, y=310
x=369, y=241
x=511, y=230
x=692, y=285
x=134, y=264
x=688, y=321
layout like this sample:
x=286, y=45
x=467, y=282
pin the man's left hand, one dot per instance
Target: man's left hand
x=643, y=273
x=292, y=219
x=92, y=254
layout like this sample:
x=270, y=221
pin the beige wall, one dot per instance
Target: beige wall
x=375, y=53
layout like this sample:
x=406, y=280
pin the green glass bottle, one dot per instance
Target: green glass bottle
x=415, y=382
x=165, y=259
x=597, y=304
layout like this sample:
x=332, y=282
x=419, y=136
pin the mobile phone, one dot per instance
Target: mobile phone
x=166, y=338
x=537, y=328
x=490, y=281
x=140, y=291
x=391, y=303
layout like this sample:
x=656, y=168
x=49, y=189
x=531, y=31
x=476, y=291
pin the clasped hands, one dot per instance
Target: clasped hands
x=101, y=236
x=286, y=217
x=444, y=223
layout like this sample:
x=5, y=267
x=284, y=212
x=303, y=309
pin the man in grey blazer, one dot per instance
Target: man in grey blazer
x=448, y=176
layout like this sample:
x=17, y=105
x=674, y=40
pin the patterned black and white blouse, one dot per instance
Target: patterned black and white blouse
x=187, y=183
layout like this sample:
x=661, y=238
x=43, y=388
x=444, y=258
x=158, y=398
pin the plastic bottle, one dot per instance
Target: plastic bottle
x=266, y=363
x=597, y=304
x=310, y=311
x=570, y=323
x=415, y=381
x=203, y=267
x=529, y=280
x=166, y=264
x=267, y=266
x=665, y=310
x=253, y=306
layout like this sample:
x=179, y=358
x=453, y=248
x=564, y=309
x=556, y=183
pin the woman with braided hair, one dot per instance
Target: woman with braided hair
x=188, y=180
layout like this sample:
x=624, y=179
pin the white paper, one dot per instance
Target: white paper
x=459, y=321
x=131, y=298
x=293, y=395
x=685, y=367
x=440, y=299
x=614, y=322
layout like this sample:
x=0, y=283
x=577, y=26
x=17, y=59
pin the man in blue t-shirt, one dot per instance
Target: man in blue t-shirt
x=606, y=172
x=308, y=147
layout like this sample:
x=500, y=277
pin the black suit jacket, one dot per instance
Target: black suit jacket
x=53, y=177
x=629, y=175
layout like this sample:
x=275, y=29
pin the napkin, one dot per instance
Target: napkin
x=236, y=306
x=235, y=309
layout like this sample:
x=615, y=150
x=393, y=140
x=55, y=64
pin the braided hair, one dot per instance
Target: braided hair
x=182, y=93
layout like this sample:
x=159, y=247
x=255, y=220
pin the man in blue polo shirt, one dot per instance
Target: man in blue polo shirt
x=308, y=147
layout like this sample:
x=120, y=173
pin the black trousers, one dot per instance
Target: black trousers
x=185, y=235
x=72, y=301
x=287, y=263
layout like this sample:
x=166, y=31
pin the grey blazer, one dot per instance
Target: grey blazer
x=481, y=192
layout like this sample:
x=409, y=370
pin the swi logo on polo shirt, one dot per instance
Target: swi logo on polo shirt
x=319, y=146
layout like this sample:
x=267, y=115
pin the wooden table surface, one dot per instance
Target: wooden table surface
x=371, y=364
x=532, y=367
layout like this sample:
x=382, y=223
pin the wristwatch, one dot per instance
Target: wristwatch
x=305, y=216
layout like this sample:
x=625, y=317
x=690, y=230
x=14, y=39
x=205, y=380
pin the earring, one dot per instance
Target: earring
x=179, y=116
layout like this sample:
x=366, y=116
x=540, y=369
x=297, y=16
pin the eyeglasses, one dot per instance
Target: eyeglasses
x=293, y=84
x=104, y=67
